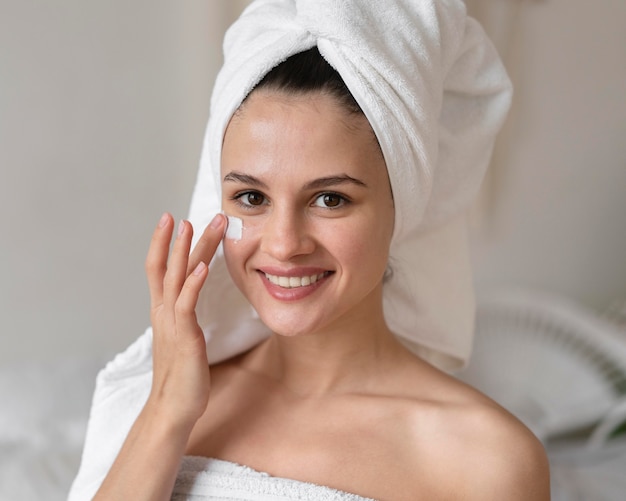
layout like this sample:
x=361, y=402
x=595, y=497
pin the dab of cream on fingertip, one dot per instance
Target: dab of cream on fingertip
x=235, y=228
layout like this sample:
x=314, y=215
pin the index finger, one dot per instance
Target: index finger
x=207, y=243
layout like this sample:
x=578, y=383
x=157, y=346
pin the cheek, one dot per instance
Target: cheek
x=363, y=244
x=235, y=255
x=240, y=236
x=240, y=245
x=230, y=256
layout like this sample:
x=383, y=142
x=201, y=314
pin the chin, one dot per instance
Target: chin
x=287, y=328
x=291, y=324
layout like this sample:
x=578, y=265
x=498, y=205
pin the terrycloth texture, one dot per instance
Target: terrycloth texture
x=435, y=92
x=204, y=479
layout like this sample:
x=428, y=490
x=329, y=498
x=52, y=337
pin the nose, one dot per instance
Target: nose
x=286, y=234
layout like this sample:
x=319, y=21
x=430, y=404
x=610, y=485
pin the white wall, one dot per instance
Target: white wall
x=102, y=111
x=558, y=191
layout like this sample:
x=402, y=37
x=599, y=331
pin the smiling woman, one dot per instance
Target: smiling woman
x=318, y=371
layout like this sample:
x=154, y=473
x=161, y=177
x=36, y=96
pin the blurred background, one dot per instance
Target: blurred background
x=102, y=112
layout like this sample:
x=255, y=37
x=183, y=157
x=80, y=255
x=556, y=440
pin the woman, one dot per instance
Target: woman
x=343, y=240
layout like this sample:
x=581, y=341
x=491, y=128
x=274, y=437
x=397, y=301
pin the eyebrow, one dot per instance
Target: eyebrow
x=238, y=177
x=325, y=182
x=316, y=184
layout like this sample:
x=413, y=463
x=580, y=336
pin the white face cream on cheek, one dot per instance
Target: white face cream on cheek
x=235, y=228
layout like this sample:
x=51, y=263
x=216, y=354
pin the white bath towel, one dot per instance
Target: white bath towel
x=435, y=93
x=206, y=479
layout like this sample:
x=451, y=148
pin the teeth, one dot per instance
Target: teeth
x=292, y=282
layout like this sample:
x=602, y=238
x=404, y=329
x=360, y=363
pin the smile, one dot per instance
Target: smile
x=293, y=282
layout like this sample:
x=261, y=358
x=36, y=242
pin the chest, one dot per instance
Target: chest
x=352, y=444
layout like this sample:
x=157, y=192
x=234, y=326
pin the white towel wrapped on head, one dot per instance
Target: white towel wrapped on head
x=435, y=92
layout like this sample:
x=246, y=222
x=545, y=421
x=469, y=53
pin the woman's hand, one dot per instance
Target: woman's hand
x=147, y=464
x=181, y=380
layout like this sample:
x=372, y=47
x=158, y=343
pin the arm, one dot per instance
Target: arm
x=146, y=467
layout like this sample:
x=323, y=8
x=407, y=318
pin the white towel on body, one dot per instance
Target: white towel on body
x=206, y=479
x=435, y=93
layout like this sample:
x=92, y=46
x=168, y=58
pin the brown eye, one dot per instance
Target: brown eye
x=255, y=198
x=251, y=199
x=332, y=200
x=329, y=201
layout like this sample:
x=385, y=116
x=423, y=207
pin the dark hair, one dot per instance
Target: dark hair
x=308, y=71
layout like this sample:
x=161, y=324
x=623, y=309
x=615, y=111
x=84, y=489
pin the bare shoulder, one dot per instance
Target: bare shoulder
x=503, y=459
x=476, y=449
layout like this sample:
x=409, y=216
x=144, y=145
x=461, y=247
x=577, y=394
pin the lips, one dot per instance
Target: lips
x=292, y=282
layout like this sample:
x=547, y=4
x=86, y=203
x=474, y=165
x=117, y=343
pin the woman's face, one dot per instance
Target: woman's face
x=310, y=184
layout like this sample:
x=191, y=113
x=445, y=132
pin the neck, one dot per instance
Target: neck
x=345, y=358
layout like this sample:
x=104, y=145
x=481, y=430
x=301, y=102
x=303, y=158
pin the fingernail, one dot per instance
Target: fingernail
x=181, y=228
x=163, y=220
x=199, y=269
x=216, y=222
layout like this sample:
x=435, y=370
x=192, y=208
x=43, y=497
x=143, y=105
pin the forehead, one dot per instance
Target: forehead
x=275, y=129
